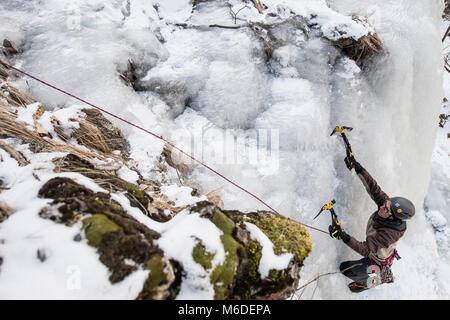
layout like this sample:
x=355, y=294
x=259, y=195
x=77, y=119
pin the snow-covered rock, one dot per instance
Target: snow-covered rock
x=117, y=234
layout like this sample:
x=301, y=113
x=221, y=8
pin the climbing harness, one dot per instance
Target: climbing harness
x=384, y=273
x=349, y=159
x=389, y=260
x=158, y=137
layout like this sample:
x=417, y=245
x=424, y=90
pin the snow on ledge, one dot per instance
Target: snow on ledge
x=269, y=260
x=181, y=195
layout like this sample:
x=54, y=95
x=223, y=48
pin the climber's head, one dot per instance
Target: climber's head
x=402, y=208
x=397, y=207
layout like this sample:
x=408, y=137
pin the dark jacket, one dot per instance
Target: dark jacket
x=381, y=234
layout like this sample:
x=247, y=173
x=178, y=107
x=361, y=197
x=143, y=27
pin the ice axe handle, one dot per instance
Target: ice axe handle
x=334, y=218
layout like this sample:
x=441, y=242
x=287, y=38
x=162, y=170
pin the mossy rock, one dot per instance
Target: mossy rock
x=109, y=181
x=72, y=201
x=160, y=279
x=130, y=241
x=248, y=276
x=238, y=277
x=136, y=196
x=157, y=275
x=118, y=237
x=57, y=188
x=223, y=275
x=202, y=257
x=285, y=234
x=251, y=286
x=97, y=226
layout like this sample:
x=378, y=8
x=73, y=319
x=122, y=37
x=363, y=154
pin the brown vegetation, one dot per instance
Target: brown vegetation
x=366, y=46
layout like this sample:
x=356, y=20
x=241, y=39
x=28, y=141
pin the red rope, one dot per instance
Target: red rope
x=156, y=136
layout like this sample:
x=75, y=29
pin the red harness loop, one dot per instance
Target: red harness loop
x=388, y=260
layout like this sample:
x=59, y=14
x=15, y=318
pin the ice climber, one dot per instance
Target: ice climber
x=384, y=228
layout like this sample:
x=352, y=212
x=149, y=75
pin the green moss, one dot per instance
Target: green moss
x=156, y=276
x=96, y=226
x=202, y=257
x=223, y=275
x=134, y=190
x=251, y=278
x=278, y=280
x=115, y=206
x=254, y=253
x=222, y=222
x=286, y=235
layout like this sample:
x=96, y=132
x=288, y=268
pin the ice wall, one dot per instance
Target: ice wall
x=398, y=133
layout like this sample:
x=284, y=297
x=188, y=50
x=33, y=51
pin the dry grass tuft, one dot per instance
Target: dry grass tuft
x=14, y=96
x=214, y=197
x=356, y=50
x=15, y=154
x=366, y=46
x=98, y=133
x=90, y=136
x=11, y=128
x=4, y=73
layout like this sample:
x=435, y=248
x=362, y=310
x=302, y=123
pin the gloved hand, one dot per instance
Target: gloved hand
x=351, y=163
x=338, y=233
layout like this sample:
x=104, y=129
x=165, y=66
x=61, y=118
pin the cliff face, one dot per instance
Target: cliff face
x=71, y=168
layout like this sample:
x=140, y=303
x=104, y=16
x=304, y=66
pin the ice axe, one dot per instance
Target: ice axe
x=348, y=149
x=329, y=207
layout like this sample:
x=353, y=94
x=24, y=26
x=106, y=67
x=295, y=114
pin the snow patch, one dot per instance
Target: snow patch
x=269, y=260
x=181, y=195
x=178, y=239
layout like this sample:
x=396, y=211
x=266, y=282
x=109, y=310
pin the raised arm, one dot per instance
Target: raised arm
x=372, y=188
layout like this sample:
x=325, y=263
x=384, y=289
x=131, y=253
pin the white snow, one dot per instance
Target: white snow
x=26, y=114
x=180, y=236
x=181, y=195
x=71, y=269
x=127, y=174
x=175, y=10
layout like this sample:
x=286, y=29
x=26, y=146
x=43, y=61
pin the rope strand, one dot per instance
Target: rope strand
x=158, y=137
